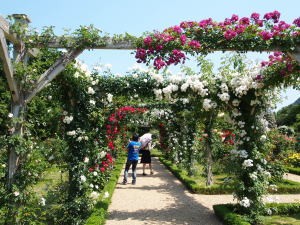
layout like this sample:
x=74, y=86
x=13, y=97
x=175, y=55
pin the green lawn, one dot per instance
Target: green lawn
x=50, y=178
x=281, y=219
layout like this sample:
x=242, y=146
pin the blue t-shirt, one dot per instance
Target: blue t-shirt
x=133, y=150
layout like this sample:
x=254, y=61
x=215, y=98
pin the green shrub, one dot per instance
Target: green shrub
x=284, y=208
x=293, y=170
x=288, y=187
x=225, y=212
x=191, y=184
x=283, y=186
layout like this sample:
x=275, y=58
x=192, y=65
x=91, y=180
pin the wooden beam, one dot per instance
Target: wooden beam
x=52, y=72
x=295, y=55
x=8, y=68
x=110, y=43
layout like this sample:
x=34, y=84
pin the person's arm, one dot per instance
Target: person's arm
x=151, y=145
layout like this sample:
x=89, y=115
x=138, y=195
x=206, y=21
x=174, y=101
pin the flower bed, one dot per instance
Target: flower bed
x=99, y=213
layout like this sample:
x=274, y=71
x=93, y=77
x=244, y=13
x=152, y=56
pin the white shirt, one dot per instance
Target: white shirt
x=146, y=140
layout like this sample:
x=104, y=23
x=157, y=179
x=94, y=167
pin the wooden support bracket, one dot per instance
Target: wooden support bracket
x=8, y=68
x=52, y=72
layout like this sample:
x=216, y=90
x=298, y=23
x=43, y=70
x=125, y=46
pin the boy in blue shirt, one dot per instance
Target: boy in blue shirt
x=132, y=158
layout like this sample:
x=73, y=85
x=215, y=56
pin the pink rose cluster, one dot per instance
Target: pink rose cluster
x=280, y=58
x=171, y=45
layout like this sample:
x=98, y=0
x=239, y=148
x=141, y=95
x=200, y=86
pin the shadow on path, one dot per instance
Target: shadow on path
x=157, y=199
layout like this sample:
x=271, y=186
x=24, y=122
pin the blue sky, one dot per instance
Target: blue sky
x=137, y=17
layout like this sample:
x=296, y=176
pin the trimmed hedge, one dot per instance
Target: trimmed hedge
x=225, y=212
x=156, y=153
x=284, y=208
x=293, y=170
x=191, y=184
x=288, y=187
x=285, y=187
x=98, y=216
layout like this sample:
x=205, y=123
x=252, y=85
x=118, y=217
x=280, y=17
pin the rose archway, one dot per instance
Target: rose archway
x=113, y=127
x=243, y=94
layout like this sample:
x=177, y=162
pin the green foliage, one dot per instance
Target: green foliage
x=227, y=216
x=293, y=170
x=87, y=37
x=279, y=146
x=288, y=116
x=225, y=187
x=191, y=183
x=99, y=213
x=287, y=187
x=226, y=213
x=281, y=219
x=4, y=103
x=284, y=208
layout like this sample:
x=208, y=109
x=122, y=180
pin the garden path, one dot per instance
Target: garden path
x=162, y=199
x=293, y=177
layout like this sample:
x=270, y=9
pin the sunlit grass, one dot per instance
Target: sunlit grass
x=281, y=219
x=50, y=178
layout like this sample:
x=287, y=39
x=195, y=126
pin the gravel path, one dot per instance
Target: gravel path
x=293, y=177
x=162, y=199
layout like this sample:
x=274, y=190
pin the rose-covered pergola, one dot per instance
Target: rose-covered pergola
x=170, y=47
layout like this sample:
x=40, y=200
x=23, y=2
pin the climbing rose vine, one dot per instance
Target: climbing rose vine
x=253, y=33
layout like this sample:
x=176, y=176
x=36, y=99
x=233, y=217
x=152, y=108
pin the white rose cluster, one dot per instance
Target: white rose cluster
x=242, y=83
x=94, y=195
x=224, y=96
x=82, y=138
x=247, y=163
x=158, y=94
x=196, y=85
x=245, y=202
x=176, y=79
x=239, y=153
x=208, y=104
x=91, y=91
x=253, y=176
x=83, y=68
x=92, y=102
x=82, y=179
x=102, y=154
x=109, y=97
x=71, y=133
x=157, y=77
x=68, y=119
